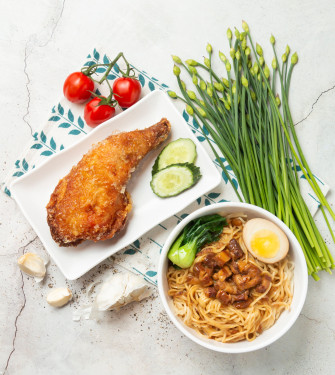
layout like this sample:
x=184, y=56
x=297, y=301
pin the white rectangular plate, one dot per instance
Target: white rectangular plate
x=32, y=191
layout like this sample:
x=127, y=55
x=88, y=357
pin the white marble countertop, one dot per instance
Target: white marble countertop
x=41, y=43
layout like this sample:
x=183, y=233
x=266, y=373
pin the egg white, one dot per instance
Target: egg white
x=253, y=227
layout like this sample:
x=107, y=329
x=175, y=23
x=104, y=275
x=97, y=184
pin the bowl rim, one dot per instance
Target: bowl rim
x=229, y=347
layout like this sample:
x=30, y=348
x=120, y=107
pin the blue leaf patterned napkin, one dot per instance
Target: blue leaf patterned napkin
x=66, y=125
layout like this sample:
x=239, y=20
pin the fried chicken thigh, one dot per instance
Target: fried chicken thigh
x=91, y=202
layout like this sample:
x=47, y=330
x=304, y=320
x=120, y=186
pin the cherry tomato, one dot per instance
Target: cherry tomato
x=126, y=91
x=76, y=87
x=95, y=114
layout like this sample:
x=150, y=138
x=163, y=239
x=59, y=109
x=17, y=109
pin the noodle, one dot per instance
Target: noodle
x=227, y=323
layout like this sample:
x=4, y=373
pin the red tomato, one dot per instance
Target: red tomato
x=126, y=91
x=76, y=87
x=95, y=114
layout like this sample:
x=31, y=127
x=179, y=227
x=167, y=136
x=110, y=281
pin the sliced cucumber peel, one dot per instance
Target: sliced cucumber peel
x=174, y=179
x=182, y=150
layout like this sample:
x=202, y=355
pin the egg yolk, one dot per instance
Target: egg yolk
x=265, y=243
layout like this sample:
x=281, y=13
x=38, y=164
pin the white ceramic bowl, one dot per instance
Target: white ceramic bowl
x=287, y=318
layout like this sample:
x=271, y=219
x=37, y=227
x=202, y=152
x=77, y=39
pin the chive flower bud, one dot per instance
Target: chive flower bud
x=237, y=33
x=287, y=50
x=278, y=102
x=202, y=103
x=244, y=44
x=191, y=62
x=252, y=72
x=256, y=67
x=249, y=64
x=209, y=48
x=259, y=76
x=192, y=69
x=228, y=66
x=232, y=53
x=244, y=81
x=274, y=64
x=222, y=57
x=189, y=110
x=253, y=95
x=183, y=84
x=172, y=94
x=225, y=82
x=234, y=88
x=209, y=91
x=259, y=50
x=218, y=86
x=207, y=62
x=284, y=57
x=228, y=99
x=266, y=71
x=272, y=40
x=202, y=112
x=245, y=26
x=261, y=61
x=191, y=94
x=294, y=58
x=226, y=104
x=194, y=79
x=247, y=51
x=176, y=70
x=229, y=34
x=202, y=85
x=238, y=55
x=176, y=59
x=242, y=35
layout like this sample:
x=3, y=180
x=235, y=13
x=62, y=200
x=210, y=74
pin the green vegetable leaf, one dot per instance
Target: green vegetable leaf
x=195, y=234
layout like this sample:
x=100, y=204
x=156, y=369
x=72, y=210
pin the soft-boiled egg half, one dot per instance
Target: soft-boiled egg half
x=265, y=240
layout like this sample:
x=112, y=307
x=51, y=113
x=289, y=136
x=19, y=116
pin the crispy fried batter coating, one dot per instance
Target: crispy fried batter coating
x=91, y=202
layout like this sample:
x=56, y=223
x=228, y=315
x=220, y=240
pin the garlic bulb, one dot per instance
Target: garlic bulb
x=59, y=297
x=32, y=265
x=120, y=289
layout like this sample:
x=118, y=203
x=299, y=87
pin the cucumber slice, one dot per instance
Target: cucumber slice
x=179, y=151
x=174, y=179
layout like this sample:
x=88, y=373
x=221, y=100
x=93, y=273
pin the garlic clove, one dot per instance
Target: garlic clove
x=120, y=289
x=59, y=297
x=32, y=265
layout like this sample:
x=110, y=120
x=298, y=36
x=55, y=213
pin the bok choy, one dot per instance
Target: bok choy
x=196, y=234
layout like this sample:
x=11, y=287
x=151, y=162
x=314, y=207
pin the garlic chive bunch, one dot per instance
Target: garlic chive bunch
x=247, y=114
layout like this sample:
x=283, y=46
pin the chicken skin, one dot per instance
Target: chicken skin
x=91, y=202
